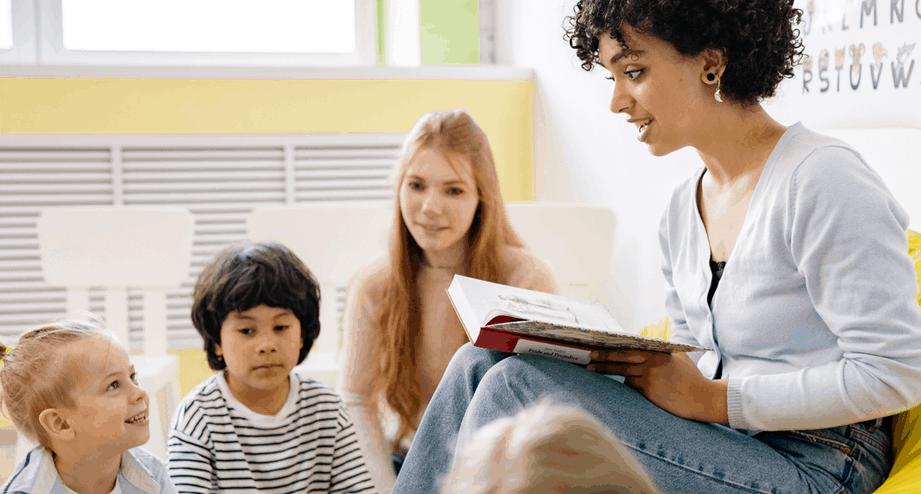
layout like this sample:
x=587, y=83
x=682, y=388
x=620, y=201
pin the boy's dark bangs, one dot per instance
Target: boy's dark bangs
x=259, y=285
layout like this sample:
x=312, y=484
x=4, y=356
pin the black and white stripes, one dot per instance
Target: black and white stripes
x=217, y=444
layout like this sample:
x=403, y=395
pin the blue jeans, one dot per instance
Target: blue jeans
x=680, y=455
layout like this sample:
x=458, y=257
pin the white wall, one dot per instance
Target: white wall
x=585, y=153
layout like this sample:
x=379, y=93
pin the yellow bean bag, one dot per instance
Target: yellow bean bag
x=905, y=476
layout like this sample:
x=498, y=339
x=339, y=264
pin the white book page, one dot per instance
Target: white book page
x=468, y=316
x=488, y=300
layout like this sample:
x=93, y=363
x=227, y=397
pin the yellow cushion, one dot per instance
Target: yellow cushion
x=905, y=476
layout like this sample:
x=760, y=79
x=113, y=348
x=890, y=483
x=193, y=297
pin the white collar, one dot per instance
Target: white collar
x=48, y=478
x=256, y=418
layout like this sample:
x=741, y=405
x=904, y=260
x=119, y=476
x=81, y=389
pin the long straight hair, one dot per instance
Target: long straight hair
x=453, y=134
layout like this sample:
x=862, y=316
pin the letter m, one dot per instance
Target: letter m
x=865, y=7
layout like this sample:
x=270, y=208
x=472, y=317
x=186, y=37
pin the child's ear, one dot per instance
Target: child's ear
x=55, y=423
x=218, y=351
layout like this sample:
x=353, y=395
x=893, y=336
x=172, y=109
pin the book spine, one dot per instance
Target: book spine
x=511, y=343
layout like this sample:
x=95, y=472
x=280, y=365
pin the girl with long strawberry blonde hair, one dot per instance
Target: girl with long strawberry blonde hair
x=401, y=331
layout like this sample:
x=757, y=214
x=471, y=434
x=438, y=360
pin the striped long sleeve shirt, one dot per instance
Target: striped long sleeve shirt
x=217, y=444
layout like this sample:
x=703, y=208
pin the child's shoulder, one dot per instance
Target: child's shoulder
x=312, y=387
x=144, y=469
x=316, y=395
x=28, y=471
x=207, y=395
x=206, y=391
x=144, y=457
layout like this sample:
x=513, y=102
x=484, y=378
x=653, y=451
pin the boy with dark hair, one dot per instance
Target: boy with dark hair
x=255, y=424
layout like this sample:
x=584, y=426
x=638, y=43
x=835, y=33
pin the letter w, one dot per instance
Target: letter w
x=901, y=77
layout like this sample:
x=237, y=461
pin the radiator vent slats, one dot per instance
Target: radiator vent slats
x=220, y=179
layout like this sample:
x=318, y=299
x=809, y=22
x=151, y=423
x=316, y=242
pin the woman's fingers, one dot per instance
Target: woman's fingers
x=627, y=356
x=618, y=369
x=628, y=363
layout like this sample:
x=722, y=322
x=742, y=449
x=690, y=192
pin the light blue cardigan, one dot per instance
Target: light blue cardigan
x=141, y=473
x=815, y=318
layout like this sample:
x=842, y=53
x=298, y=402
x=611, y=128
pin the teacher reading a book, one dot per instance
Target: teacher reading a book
x=400, y=328
x=785, y=255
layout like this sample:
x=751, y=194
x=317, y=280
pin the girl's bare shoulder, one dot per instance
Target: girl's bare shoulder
x=525, y=269
x=371, y=279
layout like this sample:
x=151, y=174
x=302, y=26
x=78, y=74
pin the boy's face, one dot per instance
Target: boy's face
x=260, y=347
x=111, y=411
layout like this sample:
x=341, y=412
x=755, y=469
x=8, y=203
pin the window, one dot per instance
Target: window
x=214, y=26
x=6, y=25
x=17, y=32
x=292, y=33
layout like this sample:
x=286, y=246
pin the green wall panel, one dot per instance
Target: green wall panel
x=449, y=31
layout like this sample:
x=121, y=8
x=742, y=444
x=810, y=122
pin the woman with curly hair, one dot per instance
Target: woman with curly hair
x=400, y=328
x=785, y=255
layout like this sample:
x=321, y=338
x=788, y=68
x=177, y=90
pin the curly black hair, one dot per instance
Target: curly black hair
x=761, y=41
x=244, y=276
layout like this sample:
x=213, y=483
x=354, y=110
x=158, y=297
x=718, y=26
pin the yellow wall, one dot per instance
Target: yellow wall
x=289, y=106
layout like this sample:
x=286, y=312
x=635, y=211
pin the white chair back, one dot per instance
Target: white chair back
x=575, y=239
x=334, y=241
x=116, y=248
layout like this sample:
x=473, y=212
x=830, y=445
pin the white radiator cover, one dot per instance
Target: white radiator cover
x=220, y=179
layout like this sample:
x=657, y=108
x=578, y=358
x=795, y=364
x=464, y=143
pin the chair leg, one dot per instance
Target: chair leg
x=158, y=424
x=159, y=376
x=117, y=314
x=155, y=339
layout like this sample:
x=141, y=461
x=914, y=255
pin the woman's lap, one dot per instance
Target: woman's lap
x=681, y=455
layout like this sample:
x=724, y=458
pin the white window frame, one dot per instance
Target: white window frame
x=23, y=50
x=52, y=52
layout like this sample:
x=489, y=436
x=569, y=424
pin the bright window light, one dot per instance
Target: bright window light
x=6, y=24
x=242, y=26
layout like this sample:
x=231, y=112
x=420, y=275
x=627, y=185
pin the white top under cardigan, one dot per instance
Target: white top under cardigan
x=815, y=317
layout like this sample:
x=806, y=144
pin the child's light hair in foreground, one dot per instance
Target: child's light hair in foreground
x=34, y=377
x=546, y=449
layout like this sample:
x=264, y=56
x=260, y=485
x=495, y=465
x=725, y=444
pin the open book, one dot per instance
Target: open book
x=510, y=319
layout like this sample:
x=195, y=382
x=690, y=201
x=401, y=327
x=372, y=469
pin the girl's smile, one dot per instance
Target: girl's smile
x=111, y=410
x=139, y=419
x=438, y=200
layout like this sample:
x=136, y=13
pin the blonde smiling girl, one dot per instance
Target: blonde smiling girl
x=72, y=389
